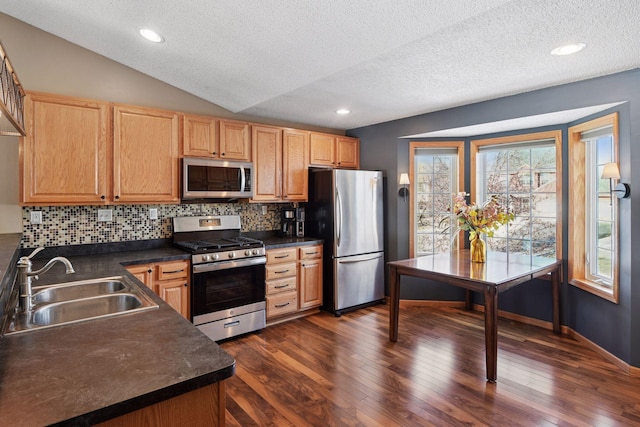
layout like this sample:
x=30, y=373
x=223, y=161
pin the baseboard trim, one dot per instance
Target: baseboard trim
x=632, y=371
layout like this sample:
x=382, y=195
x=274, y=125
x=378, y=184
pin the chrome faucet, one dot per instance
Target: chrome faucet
x=25, y=275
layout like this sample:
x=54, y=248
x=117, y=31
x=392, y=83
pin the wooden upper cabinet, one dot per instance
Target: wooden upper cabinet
x=235, y=140
x=65, y=155
x=321, y=149
x=145, y=153
x=267, y=163
x=200, y=136
x=334, y=151
x=295, y=176
x=347, y=152
x=280, y=164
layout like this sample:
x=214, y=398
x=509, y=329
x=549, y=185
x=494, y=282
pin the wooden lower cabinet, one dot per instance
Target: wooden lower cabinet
x=169, y=279
x=293, y=281
x=201, y=407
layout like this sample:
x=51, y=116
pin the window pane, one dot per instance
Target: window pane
x=436, y=183
x=524, y=178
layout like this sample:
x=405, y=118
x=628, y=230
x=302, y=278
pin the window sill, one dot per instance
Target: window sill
x=596, y=289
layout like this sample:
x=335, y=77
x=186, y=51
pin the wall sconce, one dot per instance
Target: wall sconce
x=611, y=172
x=404, y=181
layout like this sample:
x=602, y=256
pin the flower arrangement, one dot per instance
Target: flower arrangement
x=483, y=219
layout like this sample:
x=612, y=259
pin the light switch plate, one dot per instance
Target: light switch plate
x=105, y=215
x=153, y=213
x=264, y=210
x=36, y=217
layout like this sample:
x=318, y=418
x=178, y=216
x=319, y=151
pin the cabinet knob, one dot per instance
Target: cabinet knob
x=214, y=153
x=222, y=154
x=103, y=197
x=186, y=284
x=149, y=271
x=117, y=197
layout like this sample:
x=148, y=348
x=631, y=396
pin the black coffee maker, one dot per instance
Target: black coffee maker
x=288, y=223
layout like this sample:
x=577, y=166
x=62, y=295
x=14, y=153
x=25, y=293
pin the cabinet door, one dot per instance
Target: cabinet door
x=176, y=294
x=310, y=283
x=144, y=273
x=200, y=136
x=295, y=176
x=347, y=152
x=321, y=149
x=145, y=144
x=235, y=143
x=267, y=163
x=64, y=157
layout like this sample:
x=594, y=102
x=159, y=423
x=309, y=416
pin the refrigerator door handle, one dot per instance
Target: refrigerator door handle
x=338, y=217
x=350, y=261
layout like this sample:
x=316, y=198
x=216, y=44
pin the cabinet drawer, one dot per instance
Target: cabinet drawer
x=279, y=271
x=173, y=270
x=286, y=302
x=282, y=285
x=281, y=255
x=310, y=252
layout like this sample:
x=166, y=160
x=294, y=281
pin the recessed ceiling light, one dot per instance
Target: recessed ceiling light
x=151, y=35
x=343, y=111
x=568, y=49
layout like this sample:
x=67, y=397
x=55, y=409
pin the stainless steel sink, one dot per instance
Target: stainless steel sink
x=77, y=290
x=85, y=308
x=72, y=302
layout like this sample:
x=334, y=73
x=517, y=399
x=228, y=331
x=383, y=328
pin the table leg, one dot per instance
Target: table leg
x=468, y=300
x=394, y=303
x=491, y=331
x=555, y=289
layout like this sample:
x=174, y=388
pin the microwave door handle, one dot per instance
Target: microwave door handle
x=242, y=179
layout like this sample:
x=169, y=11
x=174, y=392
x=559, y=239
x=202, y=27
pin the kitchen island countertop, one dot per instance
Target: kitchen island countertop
x=88, y=372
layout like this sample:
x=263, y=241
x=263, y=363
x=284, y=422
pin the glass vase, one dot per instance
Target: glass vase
x=478, y=249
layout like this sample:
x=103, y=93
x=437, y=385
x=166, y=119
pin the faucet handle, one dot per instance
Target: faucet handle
x=35, y=251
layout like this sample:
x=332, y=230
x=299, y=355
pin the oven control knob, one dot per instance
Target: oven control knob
x=214, y=257
x=232, y=254
x=206, y=258
x=255, y=252
x=247, y=252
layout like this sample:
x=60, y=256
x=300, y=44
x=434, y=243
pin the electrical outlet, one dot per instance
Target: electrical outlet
x=36, y=217
x=153, y=213
x=264, y=210
x=105, y=215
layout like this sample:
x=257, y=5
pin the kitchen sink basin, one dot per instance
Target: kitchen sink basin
x=73, y=302
x=85, y=308
x=77, y=290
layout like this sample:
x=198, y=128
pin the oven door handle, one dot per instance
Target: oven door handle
x=225, y=265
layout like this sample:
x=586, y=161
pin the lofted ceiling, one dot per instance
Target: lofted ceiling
x=302, y=60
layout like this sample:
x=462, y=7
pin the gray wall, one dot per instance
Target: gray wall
x=614, y=327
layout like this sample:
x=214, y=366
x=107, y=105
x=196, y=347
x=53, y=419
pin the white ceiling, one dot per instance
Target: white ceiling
x=301, y=60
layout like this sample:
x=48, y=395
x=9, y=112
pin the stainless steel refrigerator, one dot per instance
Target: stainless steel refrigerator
x=345, y=209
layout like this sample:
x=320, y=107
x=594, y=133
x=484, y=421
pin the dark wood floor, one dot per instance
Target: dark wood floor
x=329, y=371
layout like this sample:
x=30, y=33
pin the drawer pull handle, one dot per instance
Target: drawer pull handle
x=282, y=271
x=282, y=305
x=311, y=253
x=281, y=286
x=173, y=272
x=231, y=324
x=281, y=256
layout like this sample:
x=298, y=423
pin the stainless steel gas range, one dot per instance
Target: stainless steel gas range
x=227, y=275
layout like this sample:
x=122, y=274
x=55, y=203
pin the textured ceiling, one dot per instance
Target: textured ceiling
x=301, y=60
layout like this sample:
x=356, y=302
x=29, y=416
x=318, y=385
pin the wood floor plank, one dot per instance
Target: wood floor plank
x=323, y=370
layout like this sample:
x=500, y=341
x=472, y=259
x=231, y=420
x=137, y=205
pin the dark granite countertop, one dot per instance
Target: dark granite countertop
x=283, y=242
x=85, y=373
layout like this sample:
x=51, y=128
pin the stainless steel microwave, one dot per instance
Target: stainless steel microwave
x=216, y=179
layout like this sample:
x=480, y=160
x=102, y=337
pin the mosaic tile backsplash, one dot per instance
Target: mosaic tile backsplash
x=77, y=225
